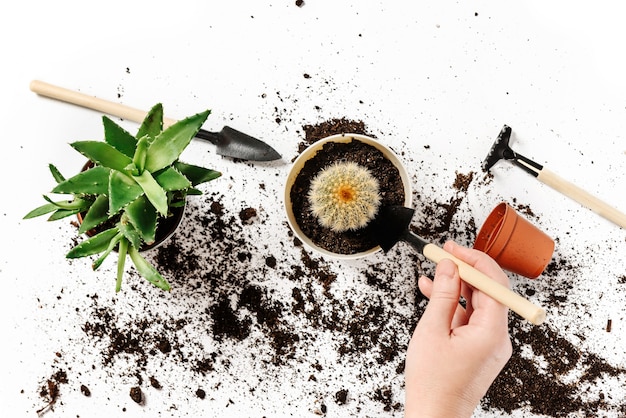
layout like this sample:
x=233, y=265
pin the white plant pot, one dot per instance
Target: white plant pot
x=309, y=153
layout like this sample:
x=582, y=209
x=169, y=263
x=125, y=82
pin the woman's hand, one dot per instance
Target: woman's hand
x=455, y=354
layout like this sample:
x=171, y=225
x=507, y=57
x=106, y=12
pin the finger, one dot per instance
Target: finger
x=460, y=316
x=479, y=260
x=444, y=298
x=482, y=309
x=425, y=286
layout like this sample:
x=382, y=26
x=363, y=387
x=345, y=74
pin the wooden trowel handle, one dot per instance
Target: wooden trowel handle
x=90, y=102
x=581, y=196
x=523, y=307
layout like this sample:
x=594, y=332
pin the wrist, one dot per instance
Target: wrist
x=438, y=406
x=438, y=411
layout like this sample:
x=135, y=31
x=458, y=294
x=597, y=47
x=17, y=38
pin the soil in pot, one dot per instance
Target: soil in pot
x=391, y=192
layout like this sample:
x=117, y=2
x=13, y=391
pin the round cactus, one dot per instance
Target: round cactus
x=344, y=196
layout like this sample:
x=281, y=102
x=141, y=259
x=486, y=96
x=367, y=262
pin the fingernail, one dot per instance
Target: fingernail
x=446, y=268
x=447, y=246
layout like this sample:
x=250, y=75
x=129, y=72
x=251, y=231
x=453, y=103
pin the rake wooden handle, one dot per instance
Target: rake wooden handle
x=581, y=196
x=89, y=102
x=523, y=307
x=574, y=192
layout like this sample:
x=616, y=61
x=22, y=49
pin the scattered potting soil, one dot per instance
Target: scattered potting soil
x=51, y=391
x=136, y=394
x=242, y=312
x=314, y=133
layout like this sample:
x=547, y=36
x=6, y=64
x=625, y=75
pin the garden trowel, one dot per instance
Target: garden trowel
x=392, y=225
x=229, y=142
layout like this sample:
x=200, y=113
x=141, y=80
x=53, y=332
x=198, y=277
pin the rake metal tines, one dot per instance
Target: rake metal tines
x=500, y=150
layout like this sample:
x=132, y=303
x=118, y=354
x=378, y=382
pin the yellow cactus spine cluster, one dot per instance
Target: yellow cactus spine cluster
x=344, y=196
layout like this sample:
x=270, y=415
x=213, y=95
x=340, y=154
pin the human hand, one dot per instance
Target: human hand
x=455, y=354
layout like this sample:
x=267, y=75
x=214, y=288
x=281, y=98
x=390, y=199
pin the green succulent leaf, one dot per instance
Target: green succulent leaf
x=121, y=261
x=139, y=159
x=63, y=213
x=67, y=207
x=169, y=144
x=95, y=244
x=118, y=137
x=109, y=249
x=196, y=174
x=97, y=214
x=147, y=270
x=58, y=177
x=103, y=154
x=192, y=191
x=170, y=180
x=152, y=124
x=154, y=192
x=41, y=210
x=92, y=181
x=142, y=215
x=129, y=231
x=177, y=204
x=122, y=190
x=78, y=203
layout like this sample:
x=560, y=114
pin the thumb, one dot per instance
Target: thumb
x=444, y=297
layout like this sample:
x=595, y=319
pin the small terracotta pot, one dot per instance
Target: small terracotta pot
x=514, y=243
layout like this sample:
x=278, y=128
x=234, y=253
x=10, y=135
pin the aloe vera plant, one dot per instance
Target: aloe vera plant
x=134, y=183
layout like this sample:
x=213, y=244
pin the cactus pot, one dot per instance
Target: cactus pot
x=380, y=161
x=165, y=228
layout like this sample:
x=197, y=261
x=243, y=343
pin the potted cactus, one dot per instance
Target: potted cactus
x=130, y=188
x=335, y=189
x=344, y=196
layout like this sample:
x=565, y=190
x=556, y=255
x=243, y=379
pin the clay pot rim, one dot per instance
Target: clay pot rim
x=307, y=154
x=488, y=234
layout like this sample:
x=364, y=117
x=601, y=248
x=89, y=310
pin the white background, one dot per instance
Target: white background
x=444, y=74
